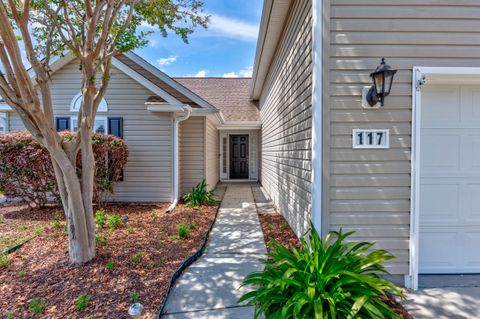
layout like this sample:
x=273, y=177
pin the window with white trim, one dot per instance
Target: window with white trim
x=100, y=124
x=77, y=102
x=3, y=123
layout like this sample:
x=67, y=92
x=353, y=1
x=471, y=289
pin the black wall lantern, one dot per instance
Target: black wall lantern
x=382, y=79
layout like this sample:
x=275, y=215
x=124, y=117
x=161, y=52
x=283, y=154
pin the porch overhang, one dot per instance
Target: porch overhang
x=241, y=125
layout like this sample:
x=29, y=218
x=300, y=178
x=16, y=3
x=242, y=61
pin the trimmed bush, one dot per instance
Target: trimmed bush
x=334, y=279
x=26, y=170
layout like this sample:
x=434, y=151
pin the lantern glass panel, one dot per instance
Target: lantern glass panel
x=379, y=82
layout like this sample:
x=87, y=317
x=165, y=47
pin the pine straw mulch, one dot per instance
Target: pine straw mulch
x=41, y=269
x=274, y=226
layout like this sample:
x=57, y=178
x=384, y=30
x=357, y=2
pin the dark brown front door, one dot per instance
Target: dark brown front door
x=239, y=156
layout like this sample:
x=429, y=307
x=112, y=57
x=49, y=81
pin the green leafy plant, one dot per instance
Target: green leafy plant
x=100, y=218
x=130, y=230
x=183, y=231
x=82, y=302
x=101, y=240
x=10, y=315
x=137, y=257
x=134, y=296
x=56, y=221
x=38, y=230
x=22, y=273
x=37, y=306
x=114, y=221
x=4, y=261
x=333, y=279
x=192, y=226
x=199, y=196
x=109, y=265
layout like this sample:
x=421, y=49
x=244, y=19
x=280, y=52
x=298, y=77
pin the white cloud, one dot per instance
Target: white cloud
x=232, y=28
x=153, y=43
x=243, y=73
x=201, y=74
x=167, y=61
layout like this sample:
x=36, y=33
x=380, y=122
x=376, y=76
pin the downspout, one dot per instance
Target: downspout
x=176, y=161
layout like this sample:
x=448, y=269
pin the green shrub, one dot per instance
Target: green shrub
x=328, y=280
x=37, y=306
x=100, y=218
x=82, y=302
x=38, y=230
x=101, y=240
x=130, y=230
x=56, y=221
x=10, y=315
x=134, y=296
x=114, y=221
x=137, y=257
x=109, y=265
x=183, y=231
x=4, y=261
x=22, y=273
x=199, y=196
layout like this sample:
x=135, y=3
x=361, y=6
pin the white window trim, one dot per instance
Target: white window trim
x=420, y=78
x=97, y=118
x=3, y=118
x=102, y=107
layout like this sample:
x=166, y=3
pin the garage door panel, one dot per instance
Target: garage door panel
x=438, y=251
x=471, y=156
x=442, y=97
x=472, y=203
x=436, y=157
x=472, y=242
x=439, y=203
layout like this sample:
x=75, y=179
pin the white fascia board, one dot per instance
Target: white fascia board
x=143, y=81
x=317, y=118
x=168, y=80
x=167, y=108
x=5, y=108
x=274, y=15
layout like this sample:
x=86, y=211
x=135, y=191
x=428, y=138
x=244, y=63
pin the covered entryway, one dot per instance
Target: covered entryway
x=239, y=155
x=449, y=185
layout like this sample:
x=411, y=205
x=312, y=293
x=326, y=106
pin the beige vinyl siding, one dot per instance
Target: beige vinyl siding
x=370, y=189
x=212, y=152
x=286, y=114
x=148, y=172
x=192, y=152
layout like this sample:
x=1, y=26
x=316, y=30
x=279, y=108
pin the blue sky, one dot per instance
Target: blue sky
x=226, y=48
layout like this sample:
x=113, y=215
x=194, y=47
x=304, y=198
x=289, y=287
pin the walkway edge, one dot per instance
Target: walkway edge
x=186, y=263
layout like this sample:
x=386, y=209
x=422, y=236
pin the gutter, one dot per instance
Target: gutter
x=176, y=121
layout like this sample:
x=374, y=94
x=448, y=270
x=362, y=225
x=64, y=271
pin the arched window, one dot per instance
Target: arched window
x=77, y=102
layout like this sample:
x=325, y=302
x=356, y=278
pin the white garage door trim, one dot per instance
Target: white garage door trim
x=425, y=76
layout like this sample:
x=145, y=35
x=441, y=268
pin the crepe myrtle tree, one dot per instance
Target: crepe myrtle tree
x=93, y=31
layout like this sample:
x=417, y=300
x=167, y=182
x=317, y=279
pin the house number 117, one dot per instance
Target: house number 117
x=369, y=138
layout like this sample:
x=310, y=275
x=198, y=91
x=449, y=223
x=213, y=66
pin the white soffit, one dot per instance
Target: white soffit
x=274, y=14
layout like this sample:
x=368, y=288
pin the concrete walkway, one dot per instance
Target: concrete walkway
x=445, y=297
x=210, y=287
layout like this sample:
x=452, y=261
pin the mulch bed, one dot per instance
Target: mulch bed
x=274, y=226
x=41, y=269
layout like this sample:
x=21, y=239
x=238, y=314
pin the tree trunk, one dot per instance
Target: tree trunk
x=78, y=212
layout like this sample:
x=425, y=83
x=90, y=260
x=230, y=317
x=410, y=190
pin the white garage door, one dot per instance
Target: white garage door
x=450, y=180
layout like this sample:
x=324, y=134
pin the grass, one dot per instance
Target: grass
x=82, y=302
x=183, y=231
x=37, y=306
x=137, y=257
x=56, y=221
x=114, y=221
x=4, y=261
x=38, y=230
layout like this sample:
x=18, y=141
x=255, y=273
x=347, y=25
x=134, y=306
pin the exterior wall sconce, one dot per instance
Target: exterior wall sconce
x=382, y=79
